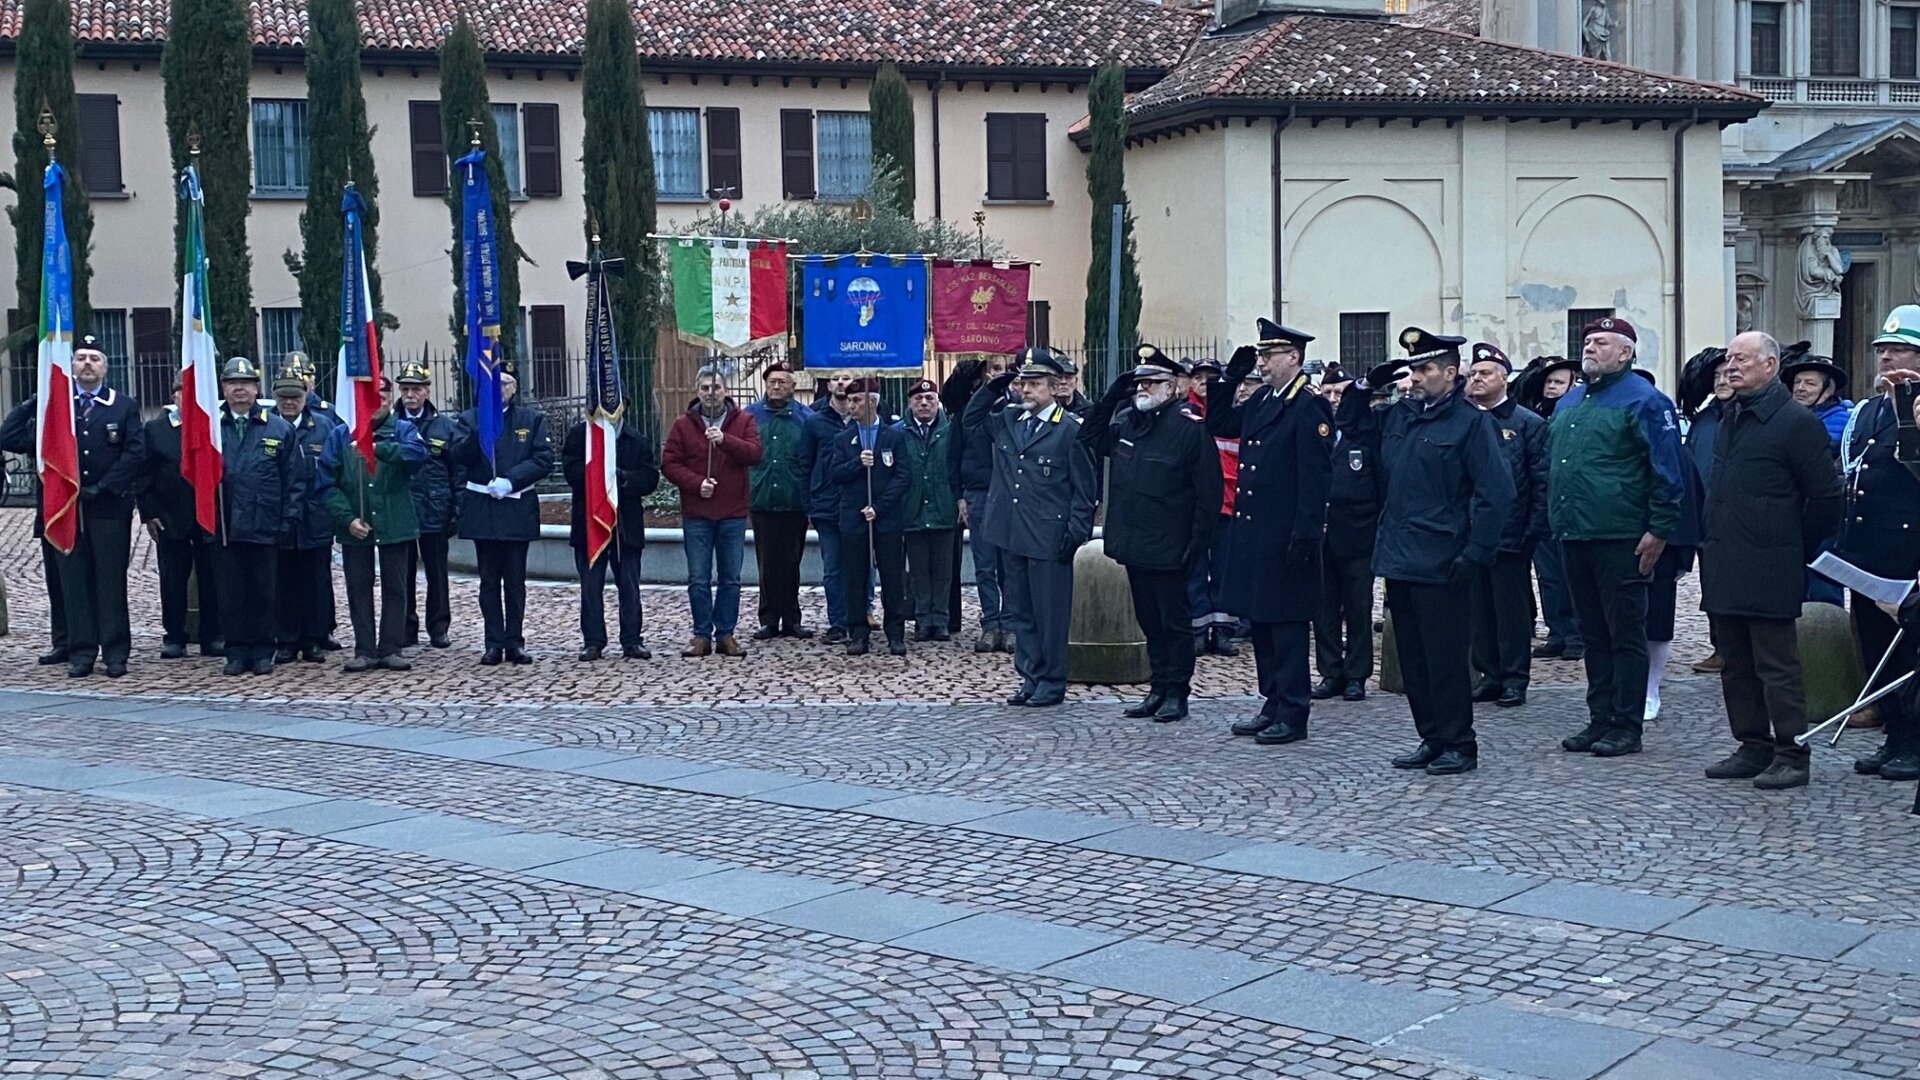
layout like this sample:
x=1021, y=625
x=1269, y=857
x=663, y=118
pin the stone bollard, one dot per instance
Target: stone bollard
x=1104, y=642
x=1390, y=659
x=1829, y=660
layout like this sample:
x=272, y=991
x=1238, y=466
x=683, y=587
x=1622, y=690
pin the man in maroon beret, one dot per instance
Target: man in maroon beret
x=932, y=510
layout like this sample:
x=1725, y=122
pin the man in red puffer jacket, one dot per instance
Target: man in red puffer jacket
x=709, y=454
x=1213, y=628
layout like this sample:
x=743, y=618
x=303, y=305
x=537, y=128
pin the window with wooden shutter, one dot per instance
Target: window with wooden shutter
x=548, y=330
x=100, y=145
x=540, y=138
x=796, y=153
x=1016, y=156
x=723, y=153
x=156, y=372
x=429, y=149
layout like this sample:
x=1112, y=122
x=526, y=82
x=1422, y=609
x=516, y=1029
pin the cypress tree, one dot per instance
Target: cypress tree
x=890, y=114
x=43, y=75
x=463, y=97
x=205, y=66
x=618, y=159
x=340, y=148
x=1107, y=188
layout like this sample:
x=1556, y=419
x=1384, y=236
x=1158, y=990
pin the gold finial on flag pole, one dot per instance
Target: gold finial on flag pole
x=193, y=139
x=47, y=127
x=593, y=228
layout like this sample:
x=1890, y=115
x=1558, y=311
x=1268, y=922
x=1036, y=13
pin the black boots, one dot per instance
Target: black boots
x=1174, y=708
x=1147, y=707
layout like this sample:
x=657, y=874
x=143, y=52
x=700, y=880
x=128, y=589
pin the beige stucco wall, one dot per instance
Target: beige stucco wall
x=133, y=237
x=1487, y=229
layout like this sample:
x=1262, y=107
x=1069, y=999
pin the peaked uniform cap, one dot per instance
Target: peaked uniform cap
x=1423, y=346
x=1155, y=364
x=1273, y=335
x=1902, y=327
x=1038, y=361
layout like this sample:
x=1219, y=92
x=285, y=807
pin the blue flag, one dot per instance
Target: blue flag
x=480, y=255
x=870, y=318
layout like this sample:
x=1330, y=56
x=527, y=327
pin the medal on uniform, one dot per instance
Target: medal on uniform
x=1356, y=460
x=886, y=458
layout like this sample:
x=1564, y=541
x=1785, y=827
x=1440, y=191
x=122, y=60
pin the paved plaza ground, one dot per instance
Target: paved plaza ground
x=798, y=865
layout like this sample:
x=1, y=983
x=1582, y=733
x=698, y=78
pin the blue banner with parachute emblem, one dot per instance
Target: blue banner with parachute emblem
x=867, y=314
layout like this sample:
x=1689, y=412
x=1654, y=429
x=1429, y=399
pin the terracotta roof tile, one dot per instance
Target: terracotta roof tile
x=1322, y=60
x=963, y=33
x=1459, y=16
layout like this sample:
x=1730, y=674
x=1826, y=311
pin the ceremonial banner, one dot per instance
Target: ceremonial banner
x=606, y=401
x=480, y=258
x=980, y=308
x=869, y=319
x=200, y=461
x=55, y=446
x=729, y=295
x=356, y=395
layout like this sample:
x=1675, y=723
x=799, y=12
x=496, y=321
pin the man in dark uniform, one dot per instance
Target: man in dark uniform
x=1066, y=392
x=432, y=505
x=1880, y=533
x=93, y=576
x=1279, y=519
x=1448, y=493
x=500, y=513
x=257, y=503
x=636, y=475
x=299, y=364
x=869, y=464
x=184, y=554
x=1039, y=511
x=305, y=558
x=1163, y=503
x=17, y=437
x=1503, y=592
x=1343, y=628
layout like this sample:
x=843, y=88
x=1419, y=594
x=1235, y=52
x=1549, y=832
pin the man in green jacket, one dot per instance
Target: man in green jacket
x=932, y=510
x=1613, y=500
x=779, y=507
x=372, y=508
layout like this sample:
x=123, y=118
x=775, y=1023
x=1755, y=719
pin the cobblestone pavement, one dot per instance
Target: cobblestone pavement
x=647, y=873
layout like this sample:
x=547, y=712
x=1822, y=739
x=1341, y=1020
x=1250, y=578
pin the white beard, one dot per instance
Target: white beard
x=1144, y=402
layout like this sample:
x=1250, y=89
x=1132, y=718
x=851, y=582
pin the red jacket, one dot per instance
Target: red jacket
x=1229, y=456
x=685, y=462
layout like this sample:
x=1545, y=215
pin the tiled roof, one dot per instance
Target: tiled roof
x=1048, y=34
x=1459, y=16
x=1370, y=65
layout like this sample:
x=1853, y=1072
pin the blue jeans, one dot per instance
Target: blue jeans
x=714, y=546
x=1556, y=599
x=986, y=569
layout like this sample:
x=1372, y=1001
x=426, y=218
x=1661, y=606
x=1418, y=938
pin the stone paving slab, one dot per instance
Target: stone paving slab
x=1888, y=950
x=480, y=748
x=1676, y=1059
x=209, y=798
x=1441, y=884
x=825, y=795
x=246, y=721
x=1169, y=972
x=1597, y=905
x=1768, y=931
x=1294, y=862
x=418, y=833
x=644, y=770
x=327, y=816
x=326, y=730
x=1050, y=825
x=1500, y=1039
x=517, y=851
x=1005, y=941
x=730, y=782
x=402, y=738
x=934, y=809
x=60, y=774
x=627, y=869
x=1156, y=842
x=742, y=892
x=864, y=914
x=31, y=700
x=561, y=758
x=1343, y=1005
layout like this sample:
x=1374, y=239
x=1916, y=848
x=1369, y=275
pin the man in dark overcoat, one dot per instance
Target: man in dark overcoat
x=500, y=513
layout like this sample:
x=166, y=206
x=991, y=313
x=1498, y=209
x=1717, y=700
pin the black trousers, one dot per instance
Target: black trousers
x=1430, y=627
x=1343, y=634
x=1280, y=665
x=359, y=564
x=625, y=562
x=930, y=575
x=1761, y=683
x=305, y=597
x=181, y=562
x=1610, y=602
x=56, y=596
x=429, y=551
x=890, y=555
x=1502, y=601
x=503, y=591
x=1160, y=606
x=1874, y=631
x=93, y=588
x=779, y=542
x=1039, y=605
x=247, y=587
x=953, y=582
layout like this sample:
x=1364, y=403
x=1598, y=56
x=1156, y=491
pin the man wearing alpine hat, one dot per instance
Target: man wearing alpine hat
x=1279, y=519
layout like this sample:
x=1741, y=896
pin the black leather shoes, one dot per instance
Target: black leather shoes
x=79, y=669
x=441, y=642
x=1616, y=743
x=1551, y=650
x=1175, y=708
x=214, y=648
x=263, y=667
x=173, y=651
x=1047, y=702
x=1252, y=725
x=798, y=631
x=941, y=633
x=1324, y=689
x=857, y=647
x=1574, y=652
x=1510, y=698
x=835, y=635
x=1487, y=692
x=56, y=656
x=1282, y=732
x=636, y=652
x=312, y=654
x=766, y=633
x=517, y=655
x=1582, y=741
x=1902, y=766
x=235, y=666
x=590, y=653
x=331, y=643
x=897, y=647
x=1221, y=642
x=1870, y=765
x=1020, y=696
x=1423, y=755
x=491, y=657
x=1355, y=691
x=1452, y=763
x=116, y=668
x=359, y=664
x=1147, y=707
x=283, y=655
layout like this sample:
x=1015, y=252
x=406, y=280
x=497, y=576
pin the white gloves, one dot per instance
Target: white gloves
x=499, y=487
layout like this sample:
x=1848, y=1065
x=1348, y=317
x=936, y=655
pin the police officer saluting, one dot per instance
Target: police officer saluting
x=1163, y=502
x=1279, y=519
x=1039, y=511
x=1448, y=493
x=257, y=504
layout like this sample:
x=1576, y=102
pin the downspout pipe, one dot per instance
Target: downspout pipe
x=1680, y=346
x=938, y=79
x=1279, y=223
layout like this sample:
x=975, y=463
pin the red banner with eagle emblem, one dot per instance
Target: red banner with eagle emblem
x=980, y=308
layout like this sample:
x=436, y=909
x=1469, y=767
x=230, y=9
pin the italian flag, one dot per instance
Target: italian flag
x=729, y=295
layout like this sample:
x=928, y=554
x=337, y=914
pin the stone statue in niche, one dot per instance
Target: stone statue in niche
x=1596, y=30
x=1743, y=312
x=1820, y=273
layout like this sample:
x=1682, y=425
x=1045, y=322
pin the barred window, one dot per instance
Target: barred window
x=1577, y=320
x=110, y=326
x=279, y=147
x=279, y=335
x=1363, y=340
x=675, y=135
x=845, y=151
